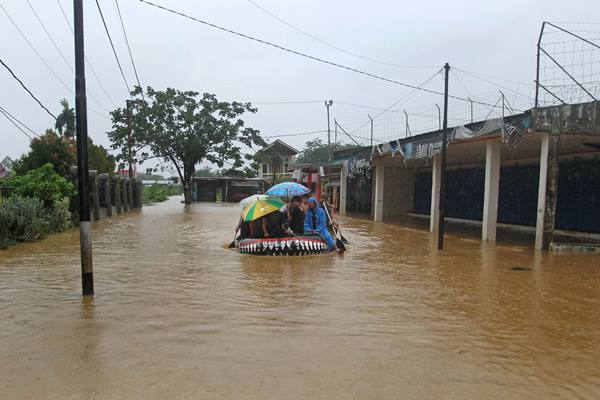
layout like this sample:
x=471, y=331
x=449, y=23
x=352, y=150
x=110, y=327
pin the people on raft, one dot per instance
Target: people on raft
x=273, y=224
x=295, y=217
x=315, y=220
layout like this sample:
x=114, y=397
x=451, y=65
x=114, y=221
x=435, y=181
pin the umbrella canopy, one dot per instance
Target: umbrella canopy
x=260, y=208
x=288, y=189
x=251, y=199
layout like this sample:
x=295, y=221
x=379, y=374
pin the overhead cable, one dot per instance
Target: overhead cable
x=14, y=123
x=137, y=78
x=86, y=59
x=298, y=53
x=19, y=121
x=25, y=87
x=112, y=46
x=334, y=46
x=294, y=134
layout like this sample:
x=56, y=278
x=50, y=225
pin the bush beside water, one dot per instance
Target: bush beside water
x=158, y=193
x=39, y=206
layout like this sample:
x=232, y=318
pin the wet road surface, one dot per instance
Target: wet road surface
x=178, y=316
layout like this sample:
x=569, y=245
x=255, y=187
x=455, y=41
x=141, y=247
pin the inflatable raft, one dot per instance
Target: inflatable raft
x=288, y=246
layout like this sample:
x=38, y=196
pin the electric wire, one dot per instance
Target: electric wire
x=14, y=123
x=19, y=121
x=492, y=83
x=334, y=46
x=86, y=59
x=294, y=134
x=298, y=53
x=62, y=82
x=61, y=53
x=137, y=78
x=112, y=46
x=26, y=89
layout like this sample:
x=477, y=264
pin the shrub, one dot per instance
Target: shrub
x=157, y=193
x=59, y=216
x=43, y=183
x=22, y=219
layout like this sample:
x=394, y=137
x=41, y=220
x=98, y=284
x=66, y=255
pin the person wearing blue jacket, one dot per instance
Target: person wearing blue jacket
x=316, y=220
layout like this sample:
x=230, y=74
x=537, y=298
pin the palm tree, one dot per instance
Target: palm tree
x=66, y=120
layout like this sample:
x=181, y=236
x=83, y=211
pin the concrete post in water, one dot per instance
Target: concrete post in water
x=124, y=196
x=85, y=232
x=130, y=193
x=105, y=180
x=343, y=189
x=436, y=173
x=95, y=193
x=442, y=200
x=547, y=190
x=136, y=194
x=117, y=182
x=492, y=185
x=379, y=178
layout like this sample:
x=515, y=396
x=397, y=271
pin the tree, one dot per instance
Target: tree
x=43, y=183
x=317, y=152
x=49, y=148
x=184, y=129
x=99, y=158
x=66, y=120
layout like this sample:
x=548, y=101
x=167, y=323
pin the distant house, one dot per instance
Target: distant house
x=6, y=167
x=277, y=158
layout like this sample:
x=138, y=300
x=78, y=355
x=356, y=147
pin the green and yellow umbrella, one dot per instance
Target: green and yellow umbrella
x=260, y=208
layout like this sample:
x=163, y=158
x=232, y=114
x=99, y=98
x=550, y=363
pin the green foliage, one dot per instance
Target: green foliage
x=61, y=151
x=207, y=172
x=58, y=216
x=42, y=183
x=66, y=120
x=22, y=219
x=51, y=148
x=317, y=152
x=183, y=129
x=99, y=159
x=158, y=193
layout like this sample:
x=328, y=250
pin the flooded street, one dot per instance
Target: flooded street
x=179, y=316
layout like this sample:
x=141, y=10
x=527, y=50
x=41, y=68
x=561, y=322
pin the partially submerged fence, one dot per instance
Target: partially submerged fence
x=5, y=192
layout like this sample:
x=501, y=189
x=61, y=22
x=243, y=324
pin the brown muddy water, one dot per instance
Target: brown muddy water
x=178, y=316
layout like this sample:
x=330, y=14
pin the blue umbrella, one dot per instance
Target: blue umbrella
x=288, y=189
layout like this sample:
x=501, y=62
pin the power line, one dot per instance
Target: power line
x=60, y=52
x=492, y=83
x=86, y=59
x=128, y=47
x=19, y=121
x=293, y=134
x=15, y=124
x=44, y=60
x=112, y=45
x=25, y=87
x=302, y=54
x=35, y=51
x=262, y=103
x=334, y=46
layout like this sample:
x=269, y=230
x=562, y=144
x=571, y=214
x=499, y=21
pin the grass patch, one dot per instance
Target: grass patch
x=157, y=193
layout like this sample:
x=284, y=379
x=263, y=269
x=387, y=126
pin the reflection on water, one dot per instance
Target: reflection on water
x=177, y=315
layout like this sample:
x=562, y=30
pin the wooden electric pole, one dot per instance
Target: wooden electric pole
x=85, y=233
x=442, y=204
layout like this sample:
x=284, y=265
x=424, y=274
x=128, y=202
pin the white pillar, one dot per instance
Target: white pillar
x=492, y=184
x=436, y=173
x=541, y=206
x=379, y=173
x=343, y=189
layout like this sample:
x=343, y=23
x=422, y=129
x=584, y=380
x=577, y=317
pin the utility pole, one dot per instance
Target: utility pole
x=371, y=129
x=85, y=233
x=442, y=205
x=328, y=104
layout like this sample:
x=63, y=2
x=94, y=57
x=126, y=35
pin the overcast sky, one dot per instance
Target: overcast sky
x=493, y=38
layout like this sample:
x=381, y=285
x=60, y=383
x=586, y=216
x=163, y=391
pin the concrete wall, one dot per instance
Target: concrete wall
x=398, y=191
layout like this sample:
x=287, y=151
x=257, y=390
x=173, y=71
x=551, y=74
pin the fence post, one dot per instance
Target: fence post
x=94, y=193
x=130, y=193
x=124, y=199
x=105, y=181
x=117, y=182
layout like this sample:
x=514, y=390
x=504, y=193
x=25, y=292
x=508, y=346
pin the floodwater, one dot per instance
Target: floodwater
x=178, y=316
